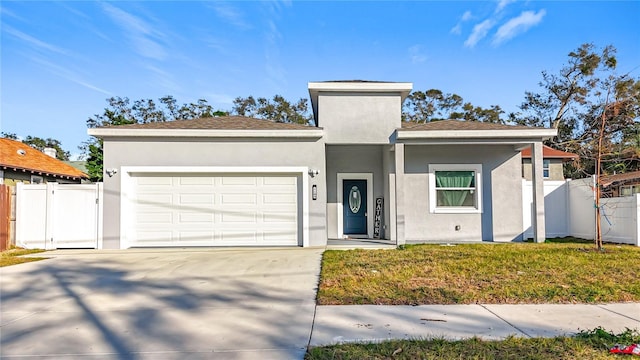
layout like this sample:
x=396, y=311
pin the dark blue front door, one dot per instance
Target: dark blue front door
x=354, y=207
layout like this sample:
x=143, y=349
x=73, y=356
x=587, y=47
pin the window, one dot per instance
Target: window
x=546, y=163
x=629, y=190
x=455, y=188
x=36, y=179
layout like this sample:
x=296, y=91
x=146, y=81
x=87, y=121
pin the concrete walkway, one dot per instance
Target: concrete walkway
x=360, y=323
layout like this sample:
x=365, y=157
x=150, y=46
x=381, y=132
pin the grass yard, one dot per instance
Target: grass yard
x=561, y=272
x=12, y=256
x=593, y=344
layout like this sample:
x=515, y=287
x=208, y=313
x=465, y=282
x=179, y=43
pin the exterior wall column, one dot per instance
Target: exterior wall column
x=399, y=203
x=539, y=231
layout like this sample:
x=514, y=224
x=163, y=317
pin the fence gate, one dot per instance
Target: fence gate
x=59, y=216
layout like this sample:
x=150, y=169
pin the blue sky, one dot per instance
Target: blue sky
x=61, y=60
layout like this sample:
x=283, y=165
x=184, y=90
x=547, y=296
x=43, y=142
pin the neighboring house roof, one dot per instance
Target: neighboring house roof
x=17, y=156
x=617, y=178
x=550, y=153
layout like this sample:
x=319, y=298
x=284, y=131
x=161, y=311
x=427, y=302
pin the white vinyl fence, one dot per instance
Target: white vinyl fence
x=570, y=211
x=57, y=216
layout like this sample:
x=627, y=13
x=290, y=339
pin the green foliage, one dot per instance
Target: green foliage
x=279, y=109
x=432, y=105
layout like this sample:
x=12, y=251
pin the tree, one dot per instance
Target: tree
x=120, y=111
x=279, y=109
x=433, y=105
x=40, y=144
x=573, y=101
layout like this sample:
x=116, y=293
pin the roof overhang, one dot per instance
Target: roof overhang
x=203, y=133
x=515, y=136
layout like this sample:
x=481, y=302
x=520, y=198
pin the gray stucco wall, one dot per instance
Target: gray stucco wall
x=501, y=218
x=359, y=118
x=351, y=159
x=235, y=152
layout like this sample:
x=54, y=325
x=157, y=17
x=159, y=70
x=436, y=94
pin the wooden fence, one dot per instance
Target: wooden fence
x=5, y=217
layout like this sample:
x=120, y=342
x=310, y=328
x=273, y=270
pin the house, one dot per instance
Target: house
x=360, y=172
x=552, y=163
x=617, y=185
x=20, y=162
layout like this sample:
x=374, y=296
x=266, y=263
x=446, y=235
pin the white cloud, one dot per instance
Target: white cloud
x=458, y=28
x=518, y=25
x=35, y=43
x=145, y=40
x=416, y=54
x=502, y=4
x=69, y=75
x=230, y=14
x=479, y=32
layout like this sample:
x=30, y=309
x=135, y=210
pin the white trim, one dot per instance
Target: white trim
x=476, y=134
x=404, y=87
x=126, y=192
x=208, y=133
x=355, y=176
x=434, y=209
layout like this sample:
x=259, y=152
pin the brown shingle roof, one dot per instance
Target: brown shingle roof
x=455, y=125
x=550, y=153
x=219, y=123
x=19, y=156
x=610, y=179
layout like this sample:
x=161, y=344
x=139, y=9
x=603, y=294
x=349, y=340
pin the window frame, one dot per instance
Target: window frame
x=546, y=167
x=435, y=209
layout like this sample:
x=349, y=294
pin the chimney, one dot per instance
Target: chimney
x=51, y=152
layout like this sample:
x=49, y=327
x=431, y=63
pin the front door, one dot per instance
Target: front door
x=354, y=205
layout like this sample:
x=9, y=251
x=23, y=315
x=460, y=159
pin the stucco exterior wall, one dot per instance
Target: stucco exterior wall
x=234, y=152
x=556, y=169
x=358, y=118
x=501, y=217
x=351, y=159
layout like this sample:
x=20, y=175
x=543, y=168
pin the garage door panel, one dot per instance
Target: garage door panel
x=239, y=180
x=196, y=180
x=154, y=217
x=239, y=199
x=196, y=217
x=215, y=210
x=278, y=217
x=197, y=198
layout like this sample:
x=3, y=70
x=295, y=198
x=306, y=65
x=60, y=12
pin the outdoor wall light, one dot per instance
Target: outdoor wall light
x=313, y=172
x=111, y=172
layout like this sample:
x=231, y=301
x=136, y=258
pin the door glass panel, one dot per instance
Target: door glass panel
x=355, y=199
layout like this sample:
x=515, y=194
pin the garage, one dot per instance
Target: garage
x=204, y=209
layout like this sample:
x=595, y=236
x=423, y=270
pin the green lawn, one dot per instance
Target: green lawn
x=561, y=272
x=593, y=344
x=12, y=256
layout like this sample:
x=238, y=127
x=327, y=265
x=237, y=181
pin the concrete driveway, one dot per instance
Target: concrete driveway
x=160, y=304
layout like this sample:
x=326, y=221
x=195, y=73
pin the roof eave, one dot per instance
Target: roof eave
x=515, y=134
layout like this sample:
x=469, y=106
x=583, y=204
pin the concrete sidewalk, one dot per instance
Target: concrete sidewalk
x=366, y=323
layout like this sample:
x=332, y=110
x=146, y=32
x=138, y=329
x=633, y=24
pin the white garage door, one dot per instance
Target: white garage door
x=214, y=210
